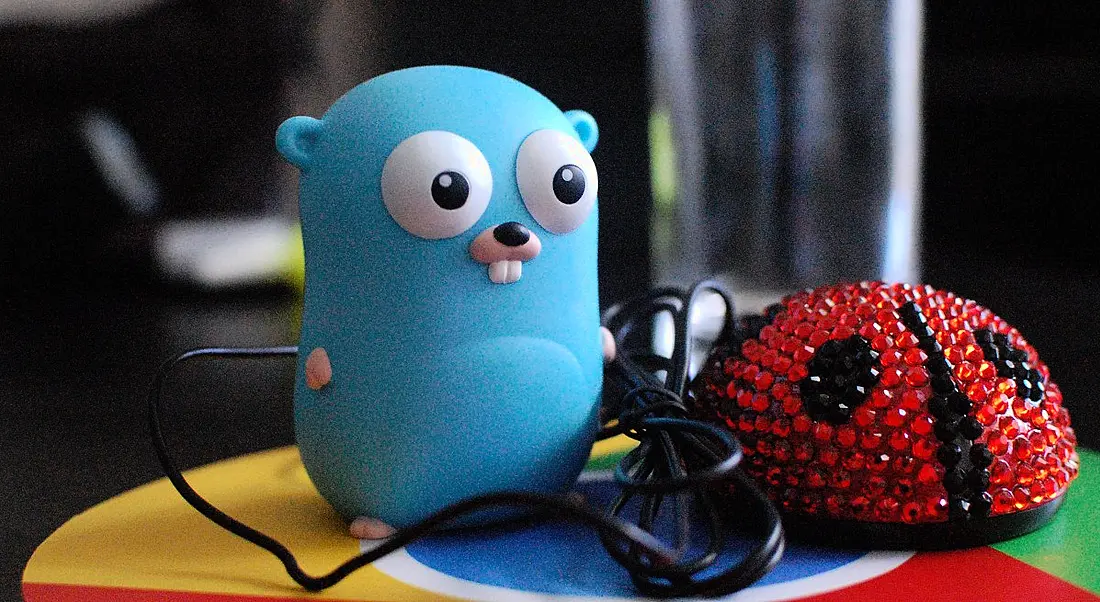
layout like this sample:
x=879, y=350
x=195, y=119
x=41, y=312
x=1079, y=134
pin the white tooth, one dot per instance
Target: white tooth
x=498, y=272
x=515, y=270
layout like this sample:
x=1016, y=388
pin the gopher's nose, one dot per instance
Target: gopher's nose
x=512, y=234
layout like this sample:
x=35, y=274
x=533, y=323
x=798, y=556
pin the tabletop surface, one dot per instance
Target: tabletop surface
x=77, y=363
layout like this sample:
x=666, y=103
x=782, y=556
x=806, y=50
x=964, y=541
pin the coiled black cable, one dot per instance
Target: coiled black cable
x=648, y=407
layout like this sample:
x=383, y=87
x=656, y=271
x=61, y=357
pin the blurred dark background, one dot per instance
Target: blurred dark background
x=196, y=89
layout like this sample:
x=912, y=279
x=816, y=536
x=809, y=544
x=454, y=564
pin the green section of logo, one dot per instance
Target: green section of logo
x=1070, y=545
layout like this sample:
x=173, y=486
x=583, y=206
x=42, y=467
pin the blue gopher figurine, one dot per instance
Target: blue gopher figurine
x=451, y=343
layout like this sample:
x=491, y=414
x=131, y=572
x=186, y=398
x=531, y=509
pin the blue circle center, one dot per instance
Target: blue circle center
x=557, y=557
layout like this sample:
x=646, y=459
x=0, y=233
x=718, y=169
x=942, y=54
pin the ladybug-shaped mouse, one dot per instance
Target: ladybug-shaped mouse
x=893, y=415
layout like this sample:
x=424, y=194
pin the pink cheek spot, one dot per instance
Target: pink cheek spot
x=318, y=369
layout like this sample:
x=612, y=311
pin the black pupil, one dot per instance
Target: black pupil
x=450, y=190
x=569, y=184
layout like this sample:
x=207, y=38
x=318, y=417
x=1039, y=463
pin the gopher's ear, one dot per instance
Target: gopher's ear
x=296, y=139
x=586, y=128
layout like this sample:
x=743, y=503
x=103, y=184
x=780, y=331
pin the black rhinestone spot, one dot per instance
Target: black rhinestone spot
x=942, y=384
x=939, y=407
x=841, y=377
x=978, y=479
x=949, y=454
x=954, y=482
x=450, y=190
x=980, y=456
x=959, y=403
x=970, y=428
x=569, y=184
x=981, y=504
x=946, y=430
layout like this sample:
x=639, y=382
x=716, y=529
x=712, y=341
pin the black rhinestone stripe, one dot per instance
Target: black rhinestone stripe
x=966, y=478
x=840, y=377
x=1012, y=362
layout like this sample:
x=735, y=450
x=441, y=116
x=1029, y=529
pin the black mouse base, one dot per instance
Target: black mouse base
x=925, y=536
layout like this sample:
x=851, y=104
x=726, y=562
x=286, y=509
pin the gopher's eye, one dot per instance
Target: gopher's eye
x=557, y=180
x=436, y=184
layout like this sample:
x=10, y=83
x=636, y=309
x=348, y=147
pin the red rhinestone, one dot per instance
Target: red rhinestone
x=782, y=365
x=797, y=373
x=871, y=440
x=887, y=316
x=1021, y=448
x=923, y=448
x=869, y=330
x=899, y=440
x=936, y=507
x=840, y=479
x=750, y=373
x=763, y=381
x=804, y=330
x=865, y=310
x=782, y=451
x=1003, y=501
x=1009, y=426
x=802, y=423
x=804, y=451
x=916, y=377
x=841, y=333
x=930, y=474
x=751, y=349
x=998, y=444
x=954, y=355
x=890, y=357
x=922, y=425
x=966, y=372
x=823, y=432
x=878, y=462
x=979, y=391
x=903, y=488
x=815, y=479
x=886, y=509
x=834, y=504
x=780, y=390
x=860, y=505
x=764, y=447
x=781, y=427
x=846, y=436
x=986, y=415
x=746, y=422
x=1007, y=386
x=998, y=402
x=760, y=402
x=904, y=464
x=1021, y=496
x=1025, y=474
x=803, y=353
x=986, y=370
x=774, y=476
x=744, y=397
x=973, y=353
x=880, y=398
x=1061, y=477
x=763, y=424
x=791, y=405
x=913, y=399
x=819, y=337
x=790, y=345
x=895, y=417
x=881, y=343
x=767, y=359
x=915, y=356
x=906, y=340
x=828, y=456
x=891, y=377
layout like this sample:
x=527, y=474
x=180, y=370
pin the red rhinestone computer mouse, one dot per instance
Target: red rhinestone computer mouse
x=893, y=416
